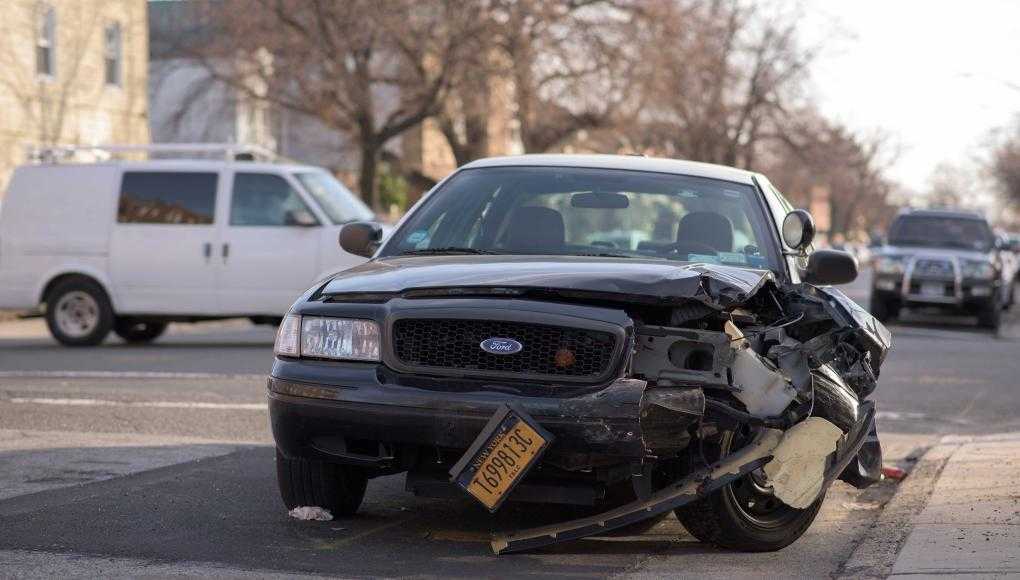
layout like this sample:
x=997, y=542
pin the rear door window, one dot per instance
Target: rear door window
x=163, y=197
x=264, y=199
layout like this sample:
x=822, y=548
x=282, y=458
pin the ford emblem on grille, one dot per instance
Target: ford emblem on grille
x=498, y=345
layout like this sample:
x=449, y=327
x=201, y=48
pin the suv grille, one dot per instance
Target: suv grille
x=548, y=351
x=937, y=269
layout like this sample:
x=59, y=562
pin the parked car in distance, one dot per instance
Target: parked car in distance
x=606, y=331
x=945, y=259
x=129, y=246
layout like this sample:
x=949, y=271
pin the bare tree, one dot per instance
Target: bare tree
x=1004, y=166
x=565, y=67
x=715, y=79
x=818, y=155
x=369, y=69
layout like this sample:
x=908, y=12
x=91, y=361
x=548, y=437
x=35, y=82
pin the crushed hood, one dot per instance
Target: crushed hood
x=655, y=281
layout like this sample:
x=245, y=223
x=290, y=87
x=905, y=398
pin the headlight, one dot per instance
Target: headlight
x=978, y=269
x=334, y=338
x=888, y=265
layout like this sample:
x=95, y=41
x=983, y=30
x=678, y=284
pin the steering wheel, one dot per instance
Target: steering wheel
x=697, y=247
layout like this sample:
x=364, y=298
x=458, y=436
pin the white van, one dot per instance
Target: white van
x=130, y=246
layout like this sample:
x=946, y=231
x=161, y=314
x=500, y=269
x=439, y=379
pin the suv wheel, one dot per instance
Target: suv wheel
x=78, y=312
x=306, y=482
x=990, y=315
x=745, y=515
x=883, y=310
x=137, y=331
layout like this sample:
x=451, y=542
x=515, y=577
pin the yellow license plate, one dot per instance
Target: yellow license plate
x=501, y=456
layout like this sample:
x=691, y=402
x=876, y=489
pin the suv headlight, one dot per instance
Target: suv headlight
x=889, y=265
x=978, y=269
x=333, y=338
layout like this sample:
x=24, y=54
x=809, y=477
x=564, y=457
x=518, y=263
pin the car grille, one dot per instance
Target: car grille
x=933, y=269
x=548, y=351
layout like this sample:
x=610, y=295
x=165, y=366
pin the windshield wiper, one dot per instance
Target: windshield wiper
x=445, y=250
x=603, y=255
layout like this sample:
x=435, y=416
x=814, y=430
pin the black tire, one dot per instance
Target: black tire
x=305, y=482
x=727, y=519
x=990, y=315
x=137, y=331
x=718, y=520
x=884, y=310
x=75, y=293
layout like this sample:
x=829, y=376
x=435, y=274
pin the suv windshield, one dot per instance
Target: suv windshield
x=589, y=212
x=942, y=232
x=336, y=200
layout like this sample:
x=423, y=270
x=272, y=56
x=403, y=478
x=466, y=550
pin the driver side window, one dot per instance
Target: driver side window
x=264, y=199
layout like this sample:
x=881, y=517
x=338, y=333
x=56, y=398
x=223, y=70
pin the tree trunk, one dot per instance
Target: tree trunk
x=366, y=176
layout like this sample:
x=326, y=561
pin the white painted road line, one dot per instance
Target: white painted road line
x=152, y=404
x=124, y=375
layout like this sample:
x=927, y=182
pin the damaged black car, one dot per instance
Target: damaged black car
x=639, y=336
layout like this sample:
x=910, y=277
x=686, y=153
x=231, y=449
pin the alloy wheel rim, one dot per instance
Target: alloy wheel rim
x=77, y=314
x=752, y=496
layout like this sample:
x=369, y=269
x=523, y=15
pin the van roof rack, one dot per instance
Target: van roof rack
x=94, y=153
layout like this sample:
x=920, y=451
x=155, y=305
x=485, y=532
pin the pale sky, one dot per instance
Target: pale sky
x=936, y=75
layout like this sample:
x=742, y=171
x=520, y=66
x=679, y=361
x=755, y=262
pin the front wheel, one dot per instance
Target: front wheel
x=306, y=482
x=745, y=515
x=78, y=312
x=883, y=310
x=990, y=315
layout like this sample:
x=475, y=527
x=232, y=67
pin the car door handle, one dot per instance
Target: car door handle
x=225, y=252
x=207, y=251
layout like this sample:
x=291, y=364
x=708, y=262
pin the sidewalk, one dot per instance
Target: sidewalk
x=970, y=525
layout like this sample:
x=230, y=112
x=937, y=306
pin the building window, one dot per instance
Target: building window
x=112, y=54
x=46, y=42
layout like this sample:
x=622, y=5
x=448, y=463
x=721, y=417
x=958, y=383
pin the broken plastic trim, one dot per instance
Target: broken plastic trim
x=687, y=490
x=692, y=488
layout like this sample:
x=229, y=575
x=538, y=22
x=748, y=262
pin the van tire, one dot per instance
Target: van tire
x=309, y=482
x=78, y=312
x=138, y=331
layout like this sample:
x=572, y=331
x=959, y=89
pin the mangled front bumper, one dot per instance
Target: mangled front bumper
x=319, y=420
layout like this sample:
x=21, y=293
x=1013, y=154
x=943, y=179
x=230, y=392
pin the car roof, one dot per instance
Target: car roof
x=945, y=213
x=185, y=164
x=626, y=162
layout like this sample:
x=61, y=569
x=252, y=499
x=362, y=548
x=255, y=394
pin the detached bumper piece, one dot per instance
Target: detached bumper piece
x=692, y=488
x=697, y=486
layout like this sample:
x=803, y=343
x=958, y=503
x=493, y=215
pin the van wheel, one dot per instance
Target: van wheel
x=305, y=482
x=137, y=331
x=78, y=312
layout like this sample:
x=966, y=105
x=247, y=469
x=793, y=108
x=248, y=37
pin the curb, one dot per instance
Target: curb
x=875, y=556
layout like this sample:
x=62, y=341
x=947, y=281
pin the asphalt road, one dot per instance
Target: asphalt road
x=157, y=460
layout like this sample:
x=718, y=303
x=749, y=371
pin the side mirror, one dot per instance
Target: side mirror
x=798, y=229
x=826, y=267
x=301, y=218
x=360, y=238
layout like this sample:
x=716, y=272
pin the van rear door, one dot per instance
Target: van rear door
x=162, y=244
x=269, y=254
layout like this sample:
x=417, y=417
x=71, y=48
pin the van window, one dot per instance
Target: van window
x=158, y=197
x=263, y=199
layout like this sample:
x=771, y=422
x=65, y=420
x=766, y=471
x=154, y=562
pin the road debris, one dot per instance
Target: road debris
x=311, y=513
x=893, y=473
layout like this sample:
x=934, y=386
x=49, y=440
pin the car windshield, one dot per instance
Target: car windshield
x=589, y=212
x=336, y=201
x=941, y=232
